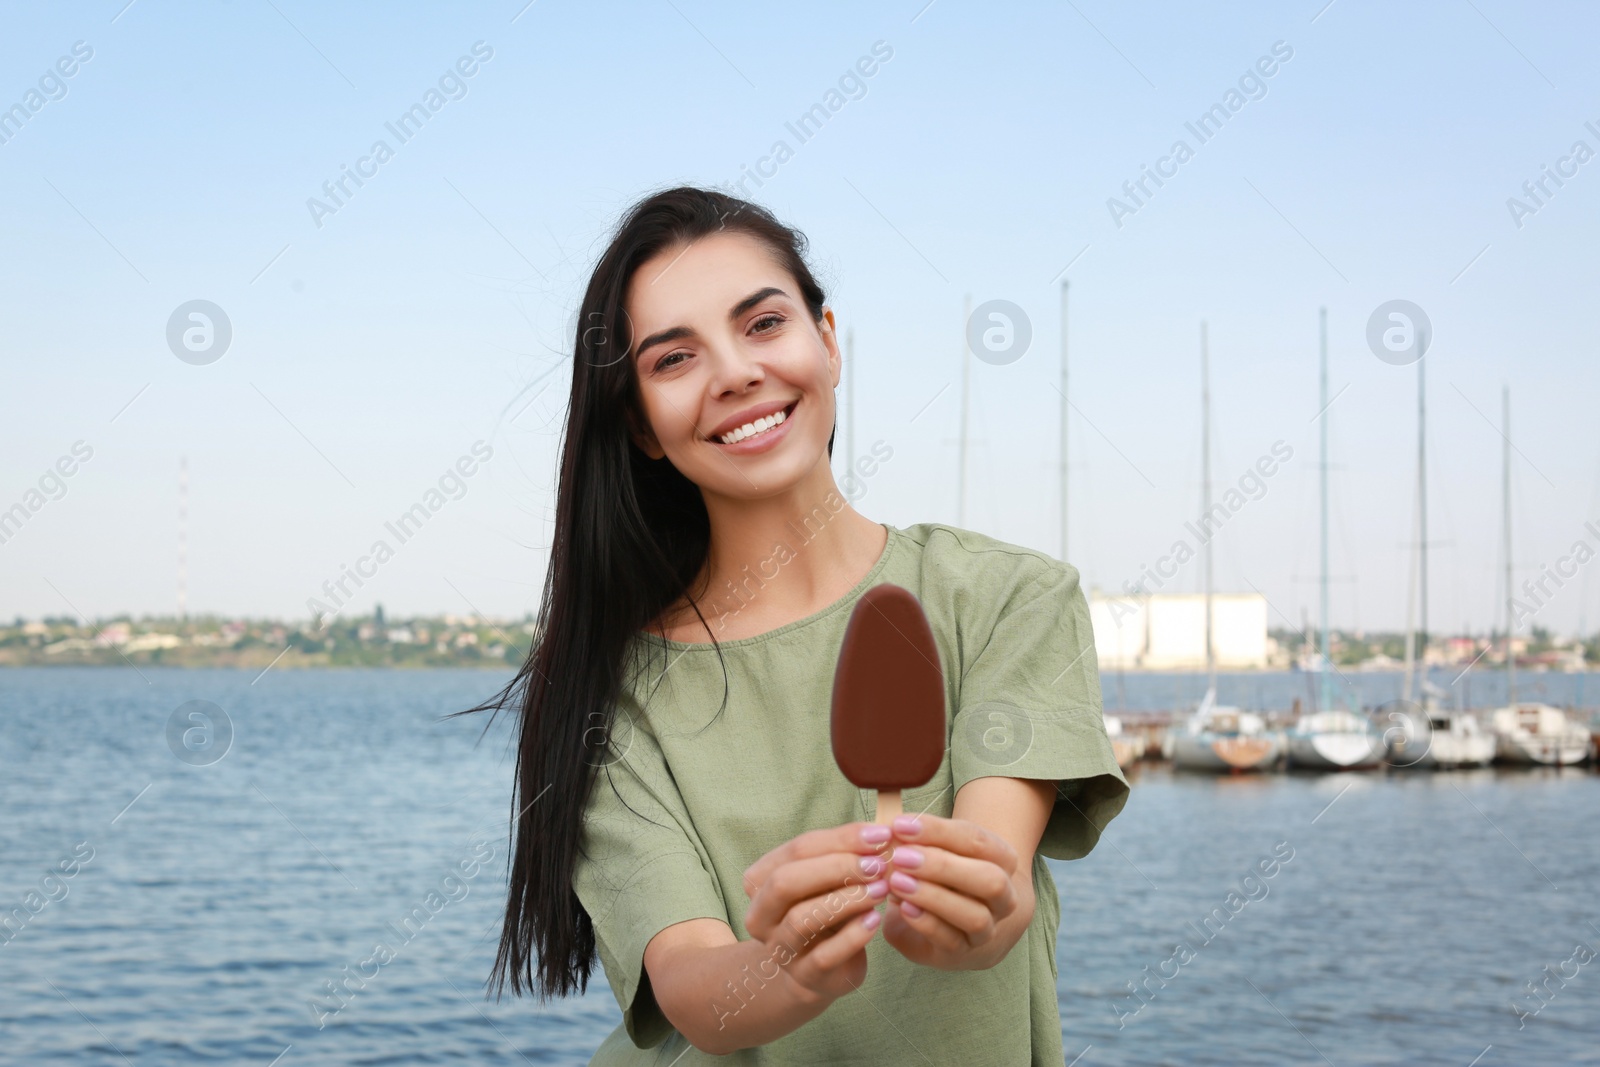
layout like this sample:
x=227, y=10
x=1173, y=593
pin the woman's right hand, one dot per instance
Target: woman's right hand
x=812, y=901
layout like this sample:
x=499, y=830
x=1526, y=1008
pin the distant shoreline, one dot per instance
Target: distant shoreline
x=285, y=665
x=210, y=642
x=255, y=659
x=247, y=661
x=258, y=657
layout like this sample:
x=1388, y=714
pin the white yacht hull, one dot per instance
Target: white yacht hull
x=1543, y=751
x=1437, y=739
x=1539, y=734
x=1457, y=750
x=1335, y=751
x=1209, y=751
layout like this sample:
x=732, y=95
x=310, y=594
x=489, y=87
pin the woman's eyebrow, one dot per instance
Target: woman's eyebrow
x=679, y=332
x=753, y=299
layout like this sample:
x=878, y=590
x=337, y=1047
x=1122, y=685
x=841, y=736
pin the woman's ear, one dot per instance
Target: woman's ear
x=830, y=341
x=643, y=436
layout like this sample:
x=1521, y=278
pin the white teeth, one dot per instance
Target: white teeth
x=750, y=429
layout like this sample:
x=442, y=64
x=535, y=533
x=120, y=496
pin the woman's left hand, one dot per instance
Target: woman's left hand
x=953, y=879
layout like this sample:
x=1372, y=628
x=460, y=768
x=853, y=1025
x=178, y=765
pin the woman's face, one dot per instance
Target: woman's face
x=735, y=377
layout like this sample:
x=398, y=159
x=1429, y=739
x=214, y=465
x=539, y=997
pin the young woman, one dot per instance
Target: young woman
x=677, y=804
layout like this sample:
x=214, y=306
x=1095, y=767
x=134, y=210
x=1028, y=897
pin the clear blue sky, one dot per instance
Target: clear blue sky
x=372, y=351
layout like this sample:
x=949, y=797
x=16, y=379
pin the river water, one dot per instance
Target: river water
x=197, y=909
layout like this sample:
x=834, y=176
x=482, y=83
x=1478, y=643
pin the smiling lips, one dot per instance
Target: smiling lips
x=754, y=428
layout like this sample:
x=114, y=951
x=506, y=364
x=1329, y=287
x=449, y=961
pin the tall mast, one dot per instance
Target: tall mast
x=1063, y=421
x=961, y=445
x=183, y=537
x=1505, y=498
x=1422, y=512
x=1411, y=610
x=850, y=401
x=1325, y=698
x=1205, y=496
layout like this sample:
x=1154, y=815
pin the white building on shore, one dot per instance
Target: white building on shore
x=1166, y=631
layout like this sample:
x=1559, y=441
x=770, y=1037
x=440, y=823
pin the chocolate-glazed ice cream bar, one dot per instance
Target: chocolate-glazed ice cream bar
x=888, y=698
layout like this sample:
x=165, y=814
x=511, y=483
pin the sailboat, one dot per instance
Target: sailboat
x=1438, y=737
x=1527, y=733
x=1127, y=747
x=1217, y=737
x=1538, y=733
x=1431, y=736
x=1335, y=740
x=1221, y=738
x=1331, y=738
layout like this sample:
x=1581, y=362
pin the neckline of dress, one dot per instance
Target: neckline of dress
x=846, y=601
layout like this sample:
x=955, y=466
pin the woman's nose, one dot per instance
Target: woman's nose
x=735, y=369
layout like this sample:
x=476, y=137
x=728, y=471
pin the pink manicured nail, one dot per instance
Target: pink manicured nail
x=871, y=920
x=870, y=865
x=878, y=890
x=876, y=834
x=907, y=856
x=909, y=910
x=901, y=882
x=909, y=825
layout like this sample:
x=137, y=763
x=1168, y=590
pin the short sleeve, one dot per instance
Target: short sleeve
x=640, y=869
x=1030, y=707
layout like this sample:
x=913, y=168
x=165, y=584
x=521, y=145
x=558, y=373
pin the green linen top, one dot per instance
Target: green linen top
x=693, y=790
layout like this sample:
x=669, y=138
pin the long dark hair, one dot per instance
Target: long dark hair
x=631, y=535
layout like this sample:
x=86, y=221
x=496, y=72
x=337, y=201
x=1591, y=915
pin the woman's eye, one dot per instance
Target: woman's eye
x=671, y=359
x=776, y=320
